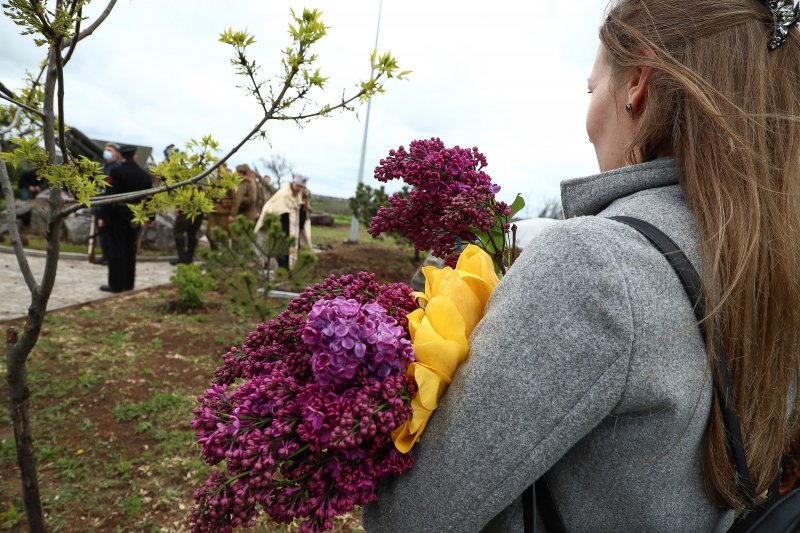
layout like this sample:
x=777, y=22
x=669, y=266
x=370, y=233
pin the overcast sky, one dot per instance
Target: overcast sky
x=507, y=76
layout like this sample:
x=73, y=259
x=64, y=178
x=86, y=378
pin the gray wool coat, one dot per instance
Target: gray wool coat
x=587, y=366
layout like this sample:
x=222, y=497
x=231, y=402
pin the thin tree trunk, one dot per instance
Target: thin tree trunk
x=18, y=349
x=18, y=387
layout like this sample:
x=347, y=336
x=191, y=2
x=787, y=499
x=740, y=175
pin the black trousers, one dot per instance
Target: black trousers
x=105, y=241
x=283, y=260
x=121, y=255
x=185, y=233
x=187, y=226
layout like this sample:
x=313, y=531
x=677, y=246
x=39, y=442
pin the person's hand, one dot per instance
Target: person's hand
x=230, y=219
x=100, y=223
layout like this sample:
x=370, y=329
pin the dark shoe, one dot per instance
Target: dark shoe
x=102, y=261
x=175, y=262
x=107, y=288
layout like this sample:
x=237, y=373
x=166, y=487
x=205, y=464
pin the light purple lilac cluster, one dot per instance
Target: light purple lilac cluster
x=295, y=446
x=344, y=336
x=451, y=197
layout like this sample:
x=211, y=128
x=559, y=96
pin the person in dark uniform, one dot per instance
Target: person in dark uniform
x=111, y=159
x=118, y=220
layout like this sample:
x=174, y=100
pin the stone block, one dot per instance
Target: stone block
x=321, y=219
x=418, y=280
x=159, y=236
x=78, y=227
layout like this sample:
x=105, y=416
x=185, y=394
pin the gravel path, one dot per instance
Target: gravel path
x=77, y=281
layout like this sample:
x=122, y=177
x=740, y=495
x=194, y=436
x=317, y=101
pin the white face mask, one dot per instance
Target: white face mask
x=107, y=155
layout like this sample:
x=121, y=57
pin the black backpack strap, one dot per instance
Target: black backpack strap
x=690, y=280
x=529, y=509
x=538, y=499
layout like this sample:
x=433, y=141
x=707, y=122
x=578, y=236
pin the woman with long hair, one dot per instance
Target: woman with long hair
x=588, y=367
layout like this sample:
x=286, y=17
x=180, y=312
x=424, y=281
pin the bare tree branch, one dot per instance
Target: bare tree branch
x=48, y=131
x=54, y=224
x=23, y=106
x=7, y=94
x=13, y=230
x=93, y=26
x=62, y=141
x=47, y=29
x=277, y=103
x=74, y=41
x=343, y=104
x=6, y=91
x=12, y=125
x=138, y=195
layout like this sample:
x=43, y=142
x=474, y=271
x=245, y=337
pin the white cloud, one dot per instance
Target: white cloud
x=507, y=76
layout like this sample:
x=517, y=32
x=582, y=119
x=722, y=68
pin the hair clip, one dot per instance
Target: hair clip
x=785, y=15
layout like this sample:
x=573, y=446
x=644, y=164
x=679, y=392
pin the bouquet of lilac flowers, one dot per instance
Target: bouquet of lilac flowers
x=326, y=400
x=452, y=202
x=302, y=416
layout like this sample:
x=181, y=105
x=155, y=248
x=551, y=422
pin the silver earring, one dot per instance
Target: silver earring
x=629, y=109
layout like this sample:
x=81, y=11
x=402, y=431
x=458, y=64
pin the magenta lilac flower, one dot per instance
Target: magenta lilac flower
x=344, y=336
x=451, y=197
x=298, y=422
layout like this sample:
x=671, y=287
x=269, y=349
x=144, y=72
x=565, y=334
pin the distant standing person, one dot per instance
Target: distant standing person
x=118, y=221
x=305, y=218
x=185, y=234
x=220, y=216
x=246, y=197
x=111, y=159
x=287, y=203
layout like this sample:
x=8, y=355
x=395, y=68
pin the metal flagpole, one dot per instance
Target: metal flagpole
x=354, y=221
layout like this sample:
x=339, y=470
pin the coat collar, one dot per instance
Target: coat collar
x=591, y=194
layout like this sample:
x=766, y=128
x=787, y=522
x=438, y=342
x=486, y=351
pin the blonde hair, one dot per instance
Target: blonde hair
x=730, y=112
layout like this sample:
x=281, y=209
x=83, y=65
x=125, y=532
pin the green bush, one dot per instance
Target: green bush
x=192, y=284
x=242, y=265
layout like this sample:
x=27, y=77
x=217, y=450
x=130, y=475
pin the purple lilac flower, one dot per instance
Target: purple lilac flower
x=451, y=197
x=344, y=336
x=284, y=443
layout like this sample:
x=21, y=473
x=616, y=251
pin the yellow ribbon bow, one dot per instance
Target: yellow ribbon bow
x=449, y=309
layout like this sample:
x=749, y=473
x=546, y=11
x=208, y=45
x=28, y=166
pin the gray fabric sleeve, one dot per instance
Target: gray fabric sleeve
x=548, y=362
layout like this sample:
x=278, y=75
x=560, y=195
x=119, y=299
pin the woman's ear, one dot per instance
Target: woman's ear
x=637, y=87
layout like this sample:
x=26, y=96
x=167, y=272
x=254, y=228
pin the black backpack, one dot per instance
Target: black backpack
x=777, y=514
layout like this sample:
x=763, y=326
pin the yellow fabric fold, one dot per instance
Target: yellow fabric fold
x=449, y=309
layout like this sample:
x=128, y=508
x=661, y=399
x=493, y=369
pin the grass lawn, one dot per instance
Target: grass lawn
x=329, y=236
x=37, y=242
x=113, y=386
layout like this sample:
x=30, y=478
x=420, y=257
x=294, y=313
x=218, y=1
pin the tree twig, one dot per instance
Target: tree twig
x=93, y=26
x=13, y=230
x=47, y=29
x=13, y=123
x=256, y=87
x=54, y=221
x=21, y=105
x=48, y=131
x=138, y=195
x=54, y=224
x=74, y=41
x=62, y=141
x=341, y=105
x=8, y=94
